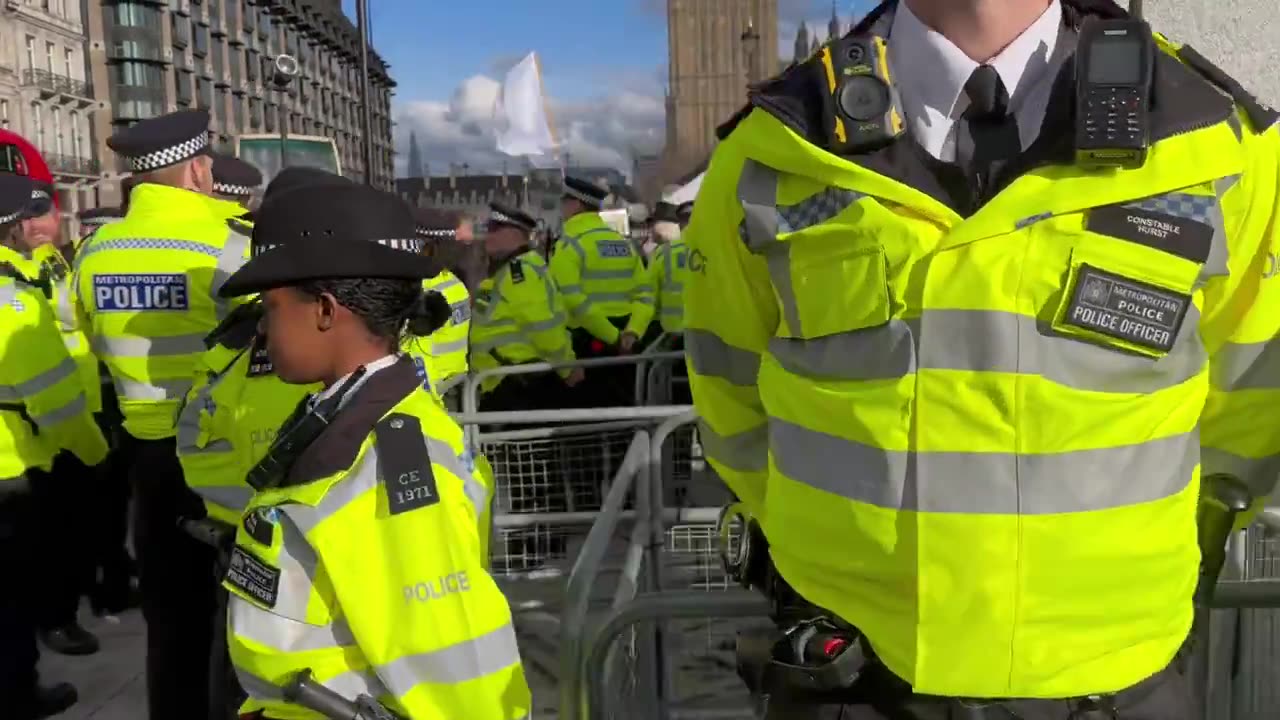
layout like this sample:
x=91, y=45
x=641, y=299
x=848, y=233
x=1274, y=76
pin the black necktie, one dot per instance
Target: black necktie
x=993, y=132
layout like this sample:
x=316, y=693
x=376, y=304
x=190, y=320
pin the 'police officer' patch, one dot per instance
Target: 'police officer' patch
x=404, y=464
x=253, y=577
x=614, y=248
x=1125, y=309
x=131, y=293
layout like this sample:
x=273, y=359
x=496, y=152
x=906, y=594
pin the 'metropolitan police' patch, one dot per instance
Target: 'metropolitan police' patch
x=113, y=293
x=253, y=577
x=1125, y=309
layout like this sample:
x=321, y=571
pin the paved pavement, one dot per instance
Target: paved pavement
x=110, y=682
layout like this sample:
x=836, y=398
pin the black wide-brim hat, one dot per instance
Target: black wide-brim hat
x=329, y=231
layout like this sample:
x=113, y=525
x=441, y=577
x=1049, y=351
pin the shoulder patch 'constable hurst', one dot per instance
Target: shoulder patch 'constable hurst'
x=404, y=464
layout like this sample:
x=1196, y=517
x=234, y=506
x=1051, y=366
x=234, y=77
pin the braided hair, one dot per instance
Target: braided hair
x=390, y=309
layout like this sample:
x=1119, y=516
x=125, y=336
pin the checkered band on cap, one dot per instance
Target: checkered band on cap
x=413, y=245
x=171, y=155
x=6, y=219
x=436, y=234
x=495, y=216
x=40, y=194
x=579, y=195
x=232, y=189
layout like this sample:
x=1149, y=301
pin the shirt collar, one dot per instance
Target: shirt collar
x=369, y=370
x=935, y=70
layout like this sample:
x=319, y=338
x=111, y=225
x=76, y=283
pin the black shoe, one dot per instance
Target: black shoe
x=48, y=701
x=70, y=640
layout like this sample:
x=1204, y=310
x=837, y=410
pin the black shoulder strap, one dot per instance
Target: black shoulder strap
x=404, y=463
x=1260, y=116
x=42, y=283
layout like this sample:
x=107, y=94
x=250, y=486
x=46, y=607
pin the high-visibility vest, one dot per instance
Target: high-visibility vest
x=449, y=343
x=55, y=272
x=977, y=435
x=519, y=318
x=601, y=276
x=229, y=420
x=148, y=288
x=43, y=409
x=373, y=579
x=667, y=272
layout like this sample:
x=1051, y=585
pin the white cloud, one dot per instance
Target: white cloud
x=597, y=132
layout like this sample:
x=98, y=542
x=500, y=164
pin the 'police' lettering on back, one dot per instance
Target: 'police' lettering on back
x=118, y=293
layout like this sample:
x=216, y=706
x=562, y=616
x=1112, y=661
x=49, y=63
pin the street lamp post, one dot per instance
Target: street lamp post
x=283, y=72
x=366, y=115
x=750, y=45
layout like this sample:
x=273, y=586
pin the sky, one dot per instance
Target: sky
x=603, y=67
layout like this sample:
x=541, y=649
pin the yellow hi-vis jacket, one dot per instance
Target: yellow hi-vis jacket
x=366, y=568
x=52, y=268
x=601, y=276
x=43, y=410
x=230, y=418
x=979, y=439
x=519, y=318
x=449, y=343
x=147, y=286
x=667, y=272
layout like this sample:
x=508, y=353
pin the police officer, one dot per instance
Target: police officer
x=45, y=422
x=601, y=279
x=148, y=288
x=365, y=469
x=234, y=179
x=968, y=383
x=519, y=319
x=668, y=269
x=446, y=348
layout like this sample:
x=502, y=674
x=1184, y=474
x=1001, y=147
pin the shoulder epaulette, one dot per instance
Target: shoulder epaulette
x=517, y=270
x=1260, y=115
x=404, y=463
x=240, y=226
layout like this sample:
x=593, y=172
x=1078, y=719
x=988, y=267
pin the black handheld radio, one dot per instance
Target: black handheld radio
x=1115, y=68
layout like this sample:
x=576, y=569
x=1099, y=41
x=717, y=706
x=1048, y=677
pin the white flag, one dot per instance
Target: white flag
x=521, y=116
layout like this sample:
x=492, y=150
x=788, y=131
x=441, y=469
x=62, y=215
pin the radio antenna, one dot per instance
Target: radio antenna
x=1135, y=8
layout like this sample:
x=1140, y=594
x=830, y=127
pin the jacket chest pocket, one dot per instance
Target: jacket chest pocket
x=832, y=288
x=275, y=569
x=1125, y=323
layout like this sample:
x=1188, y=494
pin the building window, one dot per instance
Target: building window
x=48, y=55
x=31, y=52
x=138, y=74
x=77, y=138
x=57, y=130
x=37, y=125
x=182, y=88
x=129, y=14
x=204, y=93
x=69, y=62
x=4, y=114
x=200, y=40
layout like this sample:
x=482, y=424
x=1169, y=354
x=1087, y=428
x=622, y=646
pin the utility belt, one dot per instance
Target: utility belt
x=813, y=657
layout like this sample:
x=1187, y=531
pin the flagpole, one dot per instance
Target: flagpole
x=366, y=117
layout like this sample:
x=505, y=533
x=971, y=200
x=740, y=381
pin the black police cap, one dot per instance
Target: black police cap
x=161, y=142
x=331, y=231
x=233, y=176
x=296, y=176
x=585, y=191
x=500, y=214
x=15, y=197
x=99, y=215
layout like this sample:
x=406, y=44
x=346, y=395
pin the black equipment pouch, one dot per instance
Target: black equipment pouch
x=21, y=409
x=296, y=435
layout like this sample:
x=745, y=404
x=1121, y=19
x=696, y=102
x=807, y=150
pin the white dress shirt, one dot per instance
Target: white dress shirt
x=369, y=368
x=931, y=71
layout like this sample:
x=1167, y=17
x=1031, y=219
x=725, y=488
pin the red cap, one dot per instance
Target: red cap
x=18, y=155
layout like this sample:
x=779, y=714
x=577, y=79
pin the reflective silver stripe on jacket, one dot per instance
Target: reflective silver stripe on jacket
x=350, y=685
x=985, y=482
x=41, y=382
x=465, y=661
x=156, y=391
x=283, y=634
x=747, y=451
x=231, y=258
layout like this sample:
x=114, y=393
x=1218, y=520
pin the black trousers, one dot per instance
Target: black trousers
x=18, y=651
x=62, y=506
x=113, y=567
x=1166, y=695
x=611, y=386
x=543, y=391
x=179, y=590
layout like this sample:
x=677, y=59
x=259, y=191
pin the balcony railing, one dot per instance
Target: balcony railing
x=55, y=83
x=71, y=165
